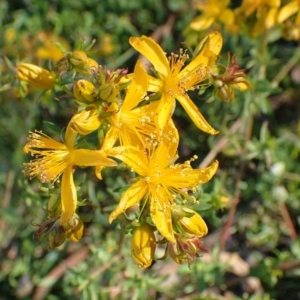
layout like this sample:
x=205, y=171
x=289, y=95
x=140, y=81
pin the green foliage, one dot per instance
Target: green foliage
x=251, y=207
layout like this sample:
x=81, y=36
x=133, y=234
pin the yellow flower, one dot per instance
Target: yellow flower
x=35, y=76
x=173, y=82
x=132, y=124
x=160, y=181
x=107, y=45
x=212, y=11
x=143, y=245
x=266, y=13
x=287, y=11
x=49, y=49
x=53, y=159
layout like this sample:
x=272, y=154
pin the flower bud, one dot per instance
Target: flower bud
x=143, y=245
x=56, y=237
x=36, y=76
x=81, y=62
x=191, y=223
x=109, y=92
x=228, y=79
x=91, y=63
x=224, y=91
x=78, y=58
x=176, y=253
x=75, y=233
x=185, y=248
x=86, y=121
x=54, y=206
x=84, y=91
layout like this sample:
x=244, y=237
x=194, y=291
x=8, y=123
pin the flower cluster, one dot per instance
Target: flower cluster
x=133, y=116
x=253, y=17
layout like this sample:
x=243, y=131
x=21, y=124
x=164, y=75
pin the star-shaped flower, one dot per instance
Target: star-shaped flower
x=53, y=158
x=160, y=181
x=173, y=82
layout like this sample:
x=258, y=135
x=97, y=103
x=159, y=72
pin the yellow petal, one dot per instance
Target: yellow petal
x=202, y=23
x=297, y=21
x=270, y=18
x=155, y=85
x=188, y=178
x=109, y=141
x=86, y=158
x=210, y=47
x=137, y=88
x=131, y=156
x=215, y=43
x=227, y=17
x=166, y=150
x=70, y=136
x=131, y=196
x=164, y=110
x=196, y=116
x=153, y=52
x=274, y=3
x=207, y=173
x=171, y=141
x=288, y=10
x=161, y=215
x=68, y=197
x=132, y=136
x=110, y=138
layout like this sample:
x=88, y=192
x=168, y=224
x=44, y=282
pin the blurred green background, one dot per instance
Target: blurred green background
x=251, y=206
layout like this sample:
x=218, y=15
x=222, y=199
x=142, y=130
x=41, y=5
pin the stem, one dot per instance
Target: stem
x=286, y=69
x=52, y=277
x=221, y=144
x=105, y=266
x=237, y=194
x=287, y=218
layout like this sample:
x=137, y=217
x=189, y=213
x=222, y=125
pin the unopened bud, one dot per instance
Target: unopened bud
x=143, y=246
x=36, y=76
x=56, y=236
x=54, y=205
x=82, y=63
x=78, y=58
x=192, y=223
x=84, y=91
x=225, y=92
x=75, y=233
x=109, y=92
x=86, y=121
x=91, y=63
